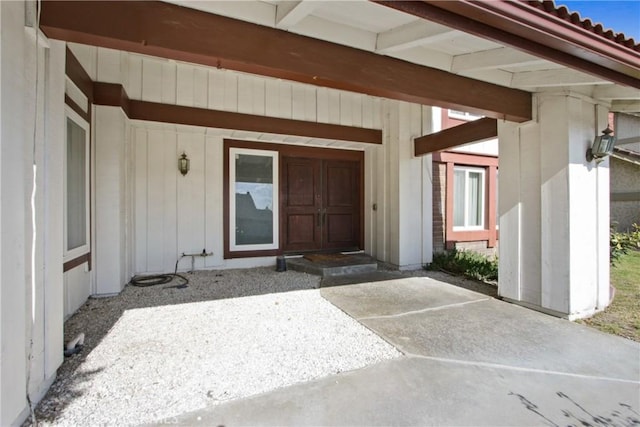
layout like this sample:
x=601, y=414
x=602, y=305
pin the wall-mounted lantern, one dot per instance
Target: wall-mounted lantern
x=183, y=164
x=602, y=146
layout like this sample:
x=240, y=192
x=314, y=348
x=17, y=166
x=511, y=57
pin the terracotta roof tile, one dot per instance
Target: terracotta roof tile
x=574, y=17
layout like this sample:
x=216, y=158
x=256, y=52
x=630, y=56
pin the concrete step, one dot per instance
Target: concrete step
x=353, y=279
x=333, y=265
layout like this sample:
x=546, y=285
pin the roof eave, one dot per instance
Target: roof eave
x=528, y=28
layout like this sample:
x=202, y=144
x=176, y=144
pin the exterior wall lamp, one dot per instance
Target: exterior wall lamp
x=183, y=164
x=602, y=146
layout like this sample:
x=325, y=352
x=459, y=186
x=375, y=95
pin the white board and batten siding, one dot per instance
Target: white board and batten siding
x=166, y=81
x=175, y=214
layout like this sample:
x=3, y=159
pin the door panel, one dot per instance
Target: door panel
x=320, y=204
x=302, y=180
x=300, y=204
x=301, y=229
x=341, y=204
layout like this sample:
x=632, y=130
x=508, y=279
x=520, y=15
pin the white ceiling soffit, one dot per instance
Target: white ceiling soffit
x=376, y=28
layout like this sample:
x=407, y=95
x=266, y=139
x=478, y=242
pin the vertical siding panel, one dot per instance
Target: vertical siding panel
x=201, y=87
x=184, y=85
x=108, y=69
x=151, y=80
x=213, y=200
x=310, y=104
x=298, y=102
x=367, y=112
x=170, y=208
x=284, y=99
x=230, y=91
x=155, y=201
x=377, y=113
x=356, y=110
x=169, y=77
x=124, y=69
x=258, y=96
x=140, y=200
x=135, y=77
x=216, y=89
x=271, y=98
x=322, y=104
x=245, y=94
x=334, y=107
x=191, y=198
x=346, y=101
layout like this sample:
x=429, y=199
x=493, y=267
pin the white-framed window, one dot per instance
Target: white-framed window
x=468, y=198
x=463, y=115
x=253, y=199
x=76, y=186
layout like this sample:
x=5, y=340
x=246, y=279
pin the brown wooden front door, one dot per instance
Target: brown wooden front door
x=320, y=204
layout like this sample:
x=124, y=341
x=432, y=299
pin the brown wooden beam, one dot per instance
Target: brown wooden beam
x=527, y=28
x=477, y=130
x=76, y=262
x=78, y=75
x=114, y=95
x=170, y=31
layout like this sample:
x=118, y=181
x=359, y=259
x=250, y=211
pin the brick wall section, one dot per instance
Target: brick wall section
x=439, y=194
x=480, y=247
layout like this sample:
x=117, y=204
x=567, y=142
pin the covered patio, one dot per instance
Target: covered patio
x=316, y=120
x=258, y=347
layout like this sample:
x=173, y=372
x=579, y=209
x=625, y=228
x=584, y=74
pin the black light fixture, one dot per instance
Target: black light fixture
x=602, y=146
x=183, y=164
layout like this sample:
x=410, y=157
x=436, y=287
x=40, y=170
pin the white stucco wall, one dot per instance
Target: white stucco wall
x=31, y=281
x=554, y=208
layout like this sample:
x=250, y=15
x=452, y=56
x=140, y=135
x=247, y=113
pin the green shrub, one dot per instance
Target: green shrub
x=621, y=243
x=467, y=263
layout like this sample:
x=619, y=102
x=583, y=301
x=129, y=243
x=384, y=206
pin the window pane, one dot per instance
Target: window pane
x=475, y=199
x=458, y=198
x=254, y=199
x=76, y=186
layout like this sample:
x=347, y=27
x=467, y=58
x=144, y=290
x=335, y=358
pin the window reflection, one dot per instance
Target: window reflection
x=254, y=194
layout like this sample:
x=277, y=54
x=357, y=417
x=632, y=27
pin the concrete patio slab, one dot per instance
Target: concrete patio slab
x=496, y=332
x=419, y=391
x=469, y=360
x=397, y=296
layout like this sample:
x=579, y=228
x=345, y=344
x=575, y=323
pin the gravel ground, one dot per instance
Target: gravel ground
x=153, y=353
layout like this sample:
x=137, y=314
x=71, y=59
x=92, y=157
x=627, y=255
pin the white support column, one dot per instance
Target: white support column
x=110, y=255
x=32, y=78
x=52, y=234
x=554, y=209
x=14, y=169
x=403, y=187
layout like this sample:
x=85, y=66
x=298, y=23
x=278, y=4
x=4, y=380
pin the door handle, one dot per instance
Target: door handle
x=319, y=219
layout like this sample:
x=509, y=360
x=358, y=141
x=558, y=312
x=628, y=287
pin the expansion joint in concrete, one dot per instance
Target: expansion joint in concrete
x=517, y=368
x=423, y=310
